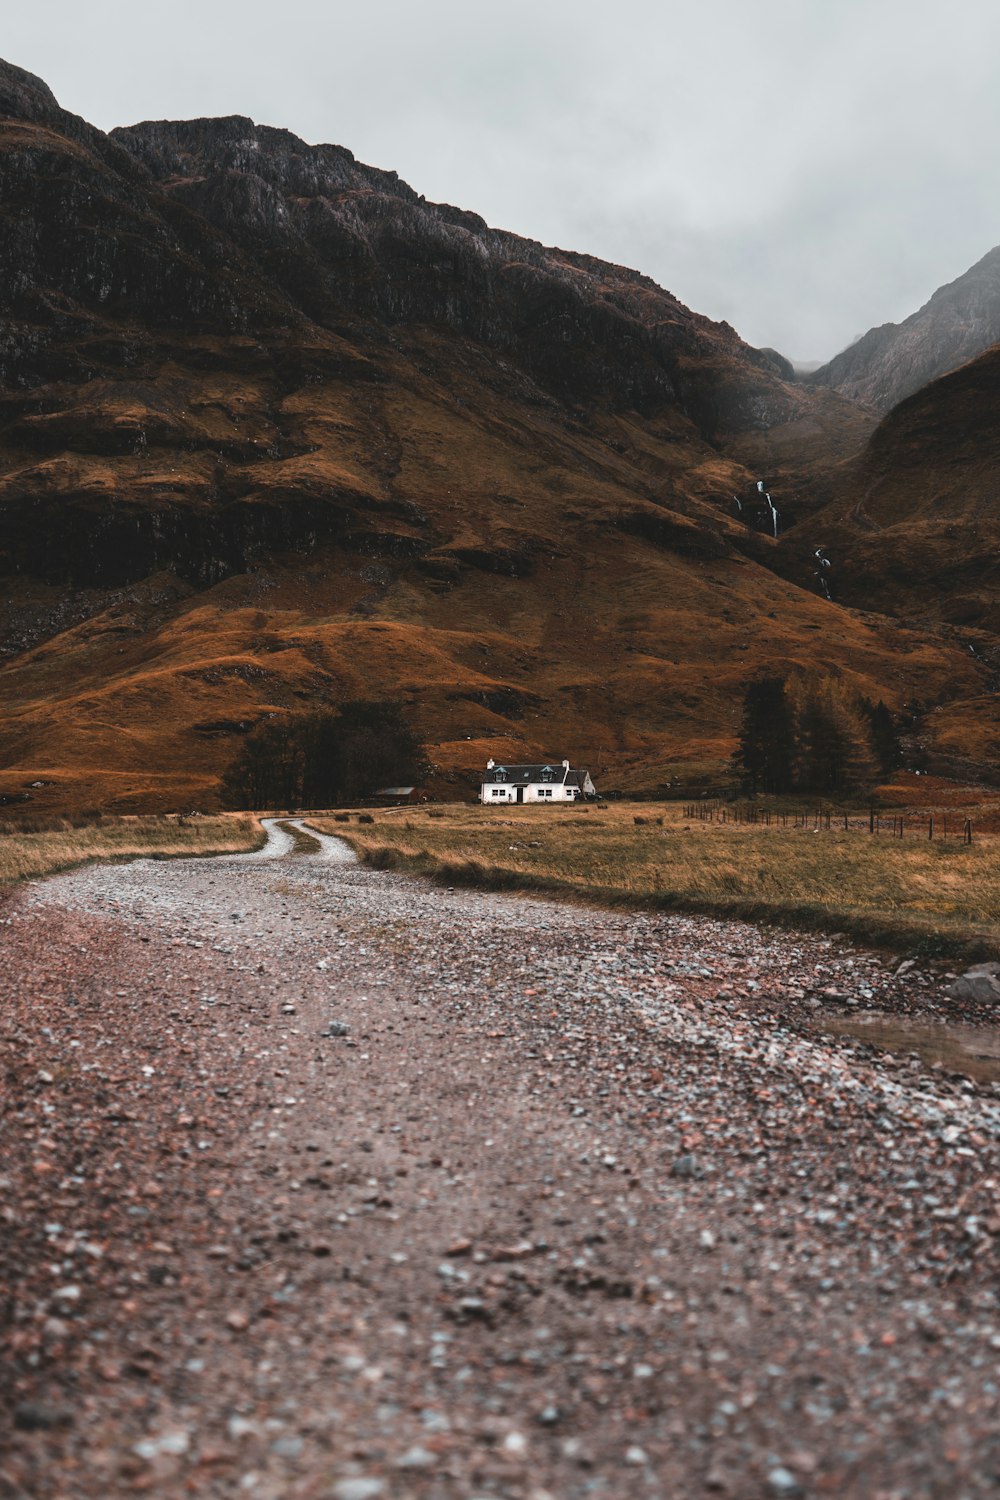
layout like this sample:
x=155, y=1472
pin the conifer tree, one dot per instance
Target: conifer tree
x=885, y=737
x=320, y=759
x=813, y=733
x=767, y=742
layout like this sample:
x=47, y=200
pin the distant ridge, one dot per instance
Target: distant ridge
x=889, y=363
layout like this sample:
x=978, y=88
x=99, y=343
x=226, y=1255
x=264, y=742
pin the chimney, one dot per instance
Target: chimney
x=490, y=764
x=566, y=764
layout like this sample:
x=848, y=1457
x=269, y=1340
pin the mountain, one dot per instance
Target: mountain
x=916, y=520
x=276, y=431
x=889, y=363
x=914, y=531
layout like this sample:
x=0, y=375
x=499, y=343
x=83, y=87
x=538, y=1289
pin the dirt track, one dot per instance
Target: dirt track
x=322, y=1182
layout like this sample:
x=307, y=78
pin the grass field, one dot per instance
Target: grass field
x=911, y=895
x=27, y=853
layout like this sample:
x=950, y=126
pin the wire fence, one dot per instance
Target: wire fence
x=874, y=822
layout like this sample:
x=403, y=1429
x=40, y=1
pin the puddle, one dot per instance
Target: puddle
x=972, y=1050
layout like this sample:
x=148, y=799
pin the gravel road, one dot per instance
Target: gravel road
x=321, y=1183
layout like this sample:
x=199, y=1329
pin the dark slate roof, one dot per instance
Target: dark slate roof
x=525, y=774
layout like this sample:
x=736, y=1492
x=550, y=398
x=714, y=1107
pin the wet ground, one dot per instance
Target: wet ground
x=972, y=1051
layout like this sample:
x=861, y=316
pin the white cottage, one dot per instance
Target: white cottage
x=552, y=783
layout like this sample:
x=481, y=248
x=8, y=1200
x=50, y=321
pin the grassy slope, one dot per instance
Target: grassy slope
x=939, y=896
x=27, y=855
x=626, y=653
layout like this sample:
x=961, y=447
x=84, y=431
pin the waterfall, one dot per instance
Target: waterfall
x=751, y=511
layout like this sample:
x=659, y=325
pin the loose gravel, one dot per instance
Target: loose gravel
x=320, y=1183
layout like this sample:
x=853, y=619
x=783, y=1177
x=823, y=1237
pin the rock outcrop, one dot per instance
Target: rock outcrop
x=338, y=236
x=891, y=362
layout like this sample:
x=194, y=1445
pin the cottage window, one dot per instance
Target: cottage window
x=547, y=773
x=500, y=774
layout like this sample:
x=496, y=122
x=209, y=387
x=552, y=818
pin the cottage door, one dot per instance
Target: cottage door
x=520, y=794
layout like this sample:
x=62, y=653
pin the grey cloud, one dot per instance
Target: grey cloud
x=800, y=168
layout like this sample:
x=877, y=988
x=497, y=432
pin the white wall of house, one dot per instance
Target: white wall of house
x=496, y=795
x=537, y=791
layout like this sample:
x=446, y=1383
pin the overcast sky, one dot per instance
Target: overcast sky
x=802, y=168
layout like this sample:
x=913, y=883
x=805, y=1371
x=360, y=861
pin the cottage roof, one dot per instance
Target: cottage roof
x=553, y=772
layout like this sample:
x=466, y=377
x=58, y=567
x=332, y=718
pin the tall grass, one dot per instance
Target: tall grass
x=28, y=851
x=911, y=894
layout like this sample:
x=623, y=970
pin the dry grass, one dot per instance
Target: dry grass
x=941, y=897
x=28, y=854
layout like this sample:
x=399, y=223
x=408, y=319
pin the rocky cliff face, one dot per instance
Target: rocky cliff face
x=889, y=363
x=93, y=256
x=340, y=237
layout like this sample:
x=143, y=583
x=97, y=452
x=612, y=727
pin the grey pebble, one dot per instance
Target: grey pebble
x=781, y=1481
x=416, y=1458
x=357, y=1489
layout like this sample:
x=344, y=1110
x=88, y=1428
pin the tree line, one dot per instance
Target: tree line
x=803, y=733
x=320, y=759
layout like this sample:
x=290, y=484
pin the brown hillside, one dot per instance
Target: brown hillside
x=916, y=519
x=275, y=431
x=914, y=531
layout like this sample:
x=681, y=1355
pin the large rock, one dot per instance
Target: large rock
x=980, y=984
